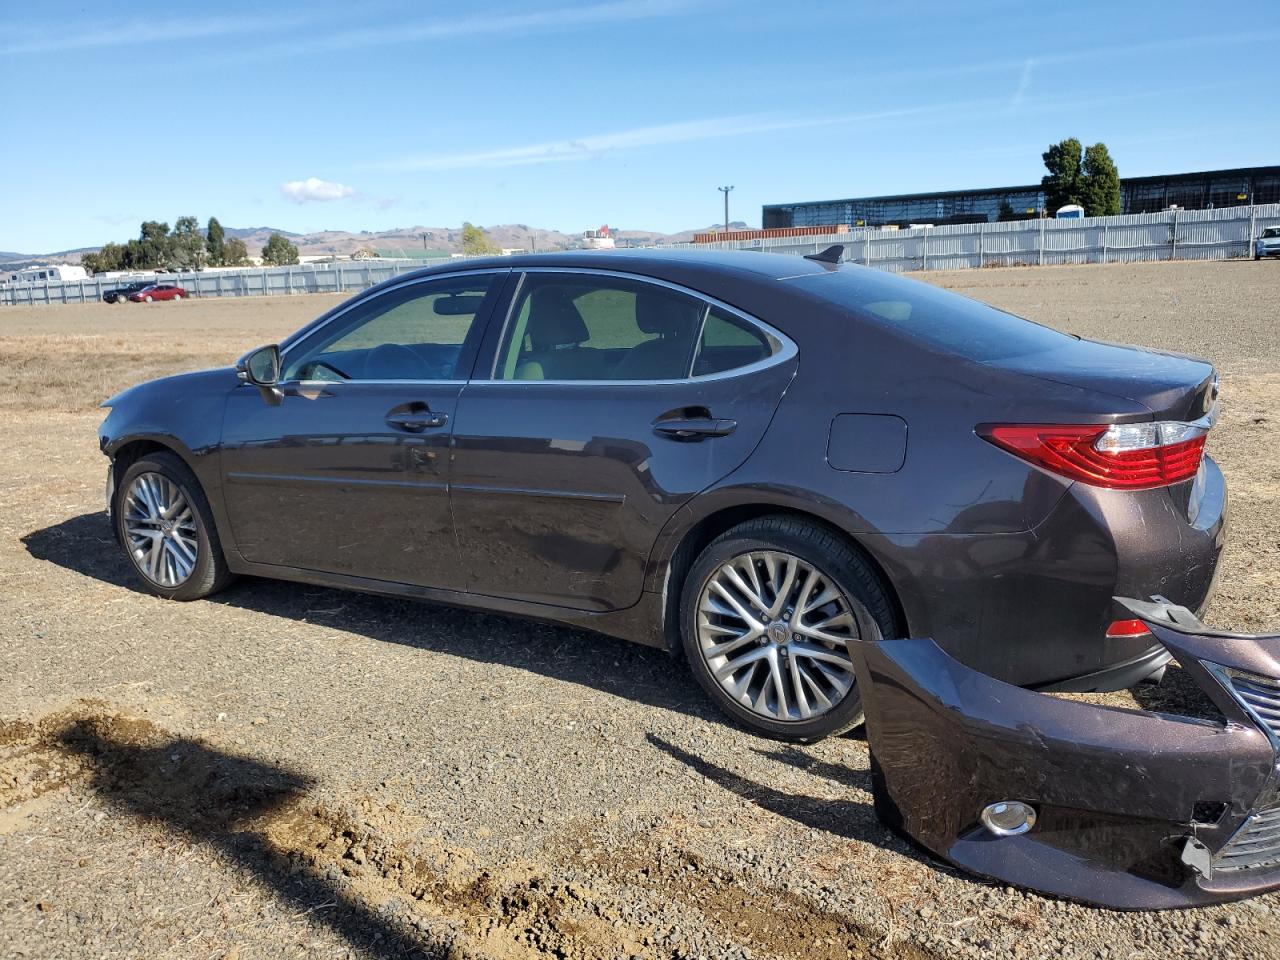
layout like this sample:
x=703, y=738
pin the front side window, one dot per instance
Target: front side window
x=584, y=327
x=414, y=332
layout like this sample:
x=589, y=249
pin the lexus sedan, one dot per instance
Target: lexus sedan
x=749, y=459
x=158, y=291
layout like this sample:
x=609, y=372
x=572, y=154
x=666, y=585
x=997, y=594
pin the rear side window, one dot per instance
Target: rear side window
x=944, y=321
x=586, y=327
x=728, y=343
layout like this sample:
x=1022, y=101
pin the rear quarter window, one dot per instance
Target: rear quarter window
x=943, y=321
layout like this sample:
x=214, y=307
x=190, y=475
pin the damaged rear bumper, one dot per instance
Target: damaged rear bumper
x=1133, y=810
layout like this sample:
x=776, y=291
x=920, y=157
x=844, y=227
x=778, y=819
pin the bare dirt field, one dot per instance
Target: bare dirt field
x=292, y=771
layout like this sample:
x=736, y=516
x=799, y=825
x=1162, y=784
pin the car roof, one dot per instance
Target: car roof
x=762, y=266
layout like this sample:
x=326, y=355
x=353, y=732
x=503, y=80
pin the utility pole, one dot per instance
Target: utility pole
x=725, y=191
x=424, y=240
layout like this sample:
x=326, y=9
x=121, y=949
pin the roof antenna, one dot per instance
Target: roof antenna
x=833, y=254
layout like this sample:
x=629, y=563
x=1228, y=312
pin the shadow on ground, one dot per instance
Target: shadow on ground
x=85, y=545
x=231, y=803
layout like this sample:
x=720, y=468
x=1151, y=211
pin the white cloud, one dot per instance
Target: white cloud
x=1024, y=84
x=60, y=35
x=313, y=188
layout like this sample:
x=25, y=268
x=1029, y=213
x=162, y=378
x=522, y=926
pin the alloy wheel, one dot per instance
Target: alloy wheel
x=160, y=529
x=774, y=631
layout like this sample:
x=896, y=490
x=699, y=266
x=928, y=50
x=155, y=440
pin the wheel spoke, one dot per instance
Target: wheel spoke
x=752, y=594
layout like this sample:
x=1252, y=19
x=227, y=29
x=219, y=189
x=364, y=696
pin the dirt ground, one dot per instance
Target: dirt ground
x=292, y=771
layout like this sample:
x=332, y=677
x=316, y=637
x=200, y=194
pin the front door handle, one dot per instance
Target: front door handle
x=416, y=420
x=695, y=428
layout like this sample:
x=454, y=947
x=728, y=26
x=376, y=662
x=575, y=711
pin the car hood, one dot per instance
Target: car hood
x=175, y=386
x=1170, y=385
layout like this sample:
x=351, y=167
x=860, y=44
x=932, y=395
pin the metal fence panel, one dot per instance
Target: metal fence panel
x=1172, y=235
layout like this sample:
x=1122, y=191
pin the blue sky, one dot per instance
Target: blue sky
x=573, y=113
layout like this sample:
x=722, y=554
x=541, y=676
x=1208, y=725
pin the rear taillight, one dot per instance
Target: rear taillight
x=1126, y=628
x=1124, y=456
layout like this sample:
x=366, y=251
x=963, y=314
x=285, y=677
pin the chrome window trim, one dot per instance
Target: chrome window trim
x=355, y=302
x=784, y=347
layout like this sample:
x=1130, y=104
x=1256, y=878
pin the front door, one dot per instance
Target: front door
x=348, y=473
x=612, y=400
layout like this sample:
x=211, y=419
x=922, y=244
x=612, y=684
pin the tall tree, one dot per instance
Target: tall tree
x=475, y=243
x=235, y=253
x=188, y=244
x=154, y=248
x=1062, y=184
x=1100, y=191
x=279, y=252
x=215, y=242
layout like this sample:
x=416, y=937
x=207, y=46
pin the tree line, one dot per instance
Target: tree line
x=185, y=247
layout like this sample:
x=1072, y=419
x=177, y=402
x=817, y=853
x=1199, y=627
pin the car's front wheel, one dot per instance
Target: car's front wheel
x=177, y=296
x=165, y=525
x=767, y=615
x=147, y=298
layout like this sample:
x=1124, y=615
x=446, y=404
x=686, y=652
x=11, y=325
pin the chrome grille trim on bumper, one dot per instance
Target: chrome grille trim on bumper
x=1256, y=844
x=1260, y=696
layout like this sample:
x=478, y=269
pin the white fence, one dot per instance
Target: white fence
x=1175, y=235
x=342, y=277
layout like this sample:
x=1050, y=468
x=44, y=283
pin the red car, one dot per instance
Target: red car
x=158, y=291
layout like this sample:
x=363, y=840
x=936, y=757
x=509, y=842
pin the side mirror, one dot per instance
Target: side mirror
x=261, y=368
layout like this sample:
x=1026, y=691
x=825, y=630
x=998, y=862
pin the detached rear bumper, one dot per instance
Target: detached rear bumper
x=1133, y=810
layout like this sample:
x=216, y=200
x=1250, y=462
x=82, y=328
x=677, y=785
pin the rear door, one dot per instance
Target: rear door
x=610, y=401
x=348, y=472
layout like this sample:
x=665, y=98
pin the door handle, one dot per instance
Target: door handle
x=695, y=428
x=417, y=420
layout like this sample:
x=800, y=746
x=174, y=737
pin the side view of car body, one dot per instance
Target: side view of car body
x=1267, y=244
x=158, y=291
x=122, y=294
x=752, y=459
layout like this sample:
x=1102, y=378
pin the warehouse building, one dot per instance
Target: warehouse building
x=1188, y=191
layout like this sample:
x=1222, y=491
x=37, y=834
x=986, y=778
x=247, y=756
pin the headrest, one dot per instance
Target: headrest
x=666, y=315
x=553, y=320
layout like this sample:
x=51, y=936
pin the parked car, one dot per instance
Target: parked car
x=753, y=459
x=1267, y=244
x=121, y=294
x=158, y=291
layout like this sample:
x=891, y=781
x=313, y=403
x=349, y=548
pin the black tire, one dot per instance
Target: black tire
x=210, y=573
x=867, y=595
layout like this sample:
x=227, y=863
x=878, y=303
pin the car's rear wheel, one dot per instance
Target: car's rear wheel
x=767, y=615
x=177, y=296
x=165, y=525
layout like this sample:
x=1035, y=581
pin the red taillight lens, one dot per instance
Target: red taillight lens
x=1126, y=628
x=1136, y=456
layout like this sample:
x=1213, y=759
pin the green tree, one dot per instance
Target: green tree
x=279, y=252
x=1063, y=183
x=1006, y=212
x=110, y=257
x=187, y=244
x=215, y=242
x=475, y=243
x=1100, y=190
x=235, y=253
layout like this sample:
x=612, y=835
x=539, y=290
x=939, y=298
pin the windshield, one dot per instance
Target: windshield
x=1271, y=232
x=944, y=321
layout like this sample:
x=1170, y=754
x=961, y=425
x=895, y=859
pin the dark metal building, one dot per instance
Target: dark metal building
x=1189, y=191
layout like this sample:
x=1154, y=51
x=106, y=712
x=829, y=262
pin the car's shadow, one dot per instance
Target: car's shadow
x=85, y=544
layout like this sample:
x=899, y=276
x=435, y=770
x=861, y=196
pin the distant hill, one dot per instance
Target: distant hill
x=412, y=241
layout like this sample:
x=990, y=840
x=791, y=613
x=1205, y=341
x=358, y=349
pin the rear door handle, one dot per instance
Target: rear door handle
x=695, y=428
x=417, y=421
